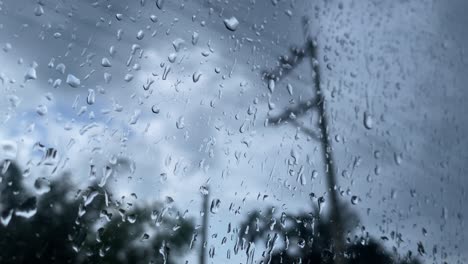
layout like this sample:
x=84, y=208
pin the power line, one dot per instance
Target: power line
x=286, y=65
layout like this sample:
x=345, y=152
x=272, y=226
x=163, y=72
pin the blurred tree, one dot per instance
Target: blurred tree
x=60, y=225
x=308, y=238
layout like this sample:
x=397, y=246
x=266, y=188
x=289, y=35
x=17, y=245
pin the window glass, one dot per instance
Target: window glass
x=222, y=131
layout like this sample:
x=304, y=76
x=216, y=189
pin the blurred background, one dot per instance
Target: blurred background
x=209, y=131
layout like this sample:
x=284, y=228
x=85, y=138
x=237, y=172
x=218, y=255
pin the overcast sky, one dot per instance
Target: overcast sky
x=402, y=62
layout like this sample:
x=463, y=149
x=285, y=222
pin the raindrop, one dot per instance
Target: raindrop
x=91, y=97
x=118, y=16
x=128, y=77
x=301, y=243
x=231, y=23
x=105, y=62
x=155, y=109
x=215, y=204
x=204, y=190
x=398, y=158
x=290, y=89
x=134, y=118
x=50, y=157
x=180, y=123
x=177, y=44
x=30, y=74
x=107, y=77
x=38, y=11
x=195, y=37
x=172, y=57
x=320, y=202
x=421, y=249
x=27, y=209
x=196, y=76
x=41, y=110
x=61, y=68
x=144, y=237
x=160, y=3
x=271, y=85
x=42, y=185
x=107, y=172
x=354, y=199
x=73, y=81
x=368, y=121
x=5, y=166
x=140, y=35
x=7, y=47
x=6, y=216
x=88, y=199
x=57, y=83
x=314, y=174
x=163, y=177
x=131, y=218
x=167, y=69
x=8, y=150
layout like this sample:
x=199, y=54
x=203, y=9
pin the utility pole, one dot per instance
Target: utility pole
x=318, y=103
x=204, y=230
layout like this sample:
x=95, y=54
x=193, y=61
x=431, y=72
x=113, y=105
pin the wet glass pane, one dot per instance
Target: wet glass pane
x=222, y=131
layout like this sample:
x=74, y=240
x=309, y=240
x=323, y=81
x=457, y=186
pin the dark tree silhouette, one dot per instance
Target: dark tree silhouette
x=63, y=225
x=308, y=238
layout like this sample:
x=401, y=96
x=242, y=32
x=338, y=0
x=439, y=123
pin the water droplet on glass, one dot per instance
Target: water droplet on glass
x=128, y=77
x=177, y=44
x=61, y=68
x=195, y=37
x=160, y=3
x=134, y=118
x=106, y=173
x=354, y=199
x=8, y=150
x=50, y=157
x=107, y=77
x=6, y=216
x=290, y=89
x=42, y=185
x=41, y=110
x=398, y=158
x=196, y=76
x=28, y=208
x=131, y=218
x=73, y=81
x=155, y=109
x=105, y=62
x=368, y=121
x=301, y=243
x=144, y=237
x=172, y=57
x=231, y=23
x=30, y=74
x=180, y=123
x=140, y=35
x=38, y=11
x=271, y=85
x=7, y=47
x=91, y=97
x=204, y=190
x=215, y=204
x=88, y=199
